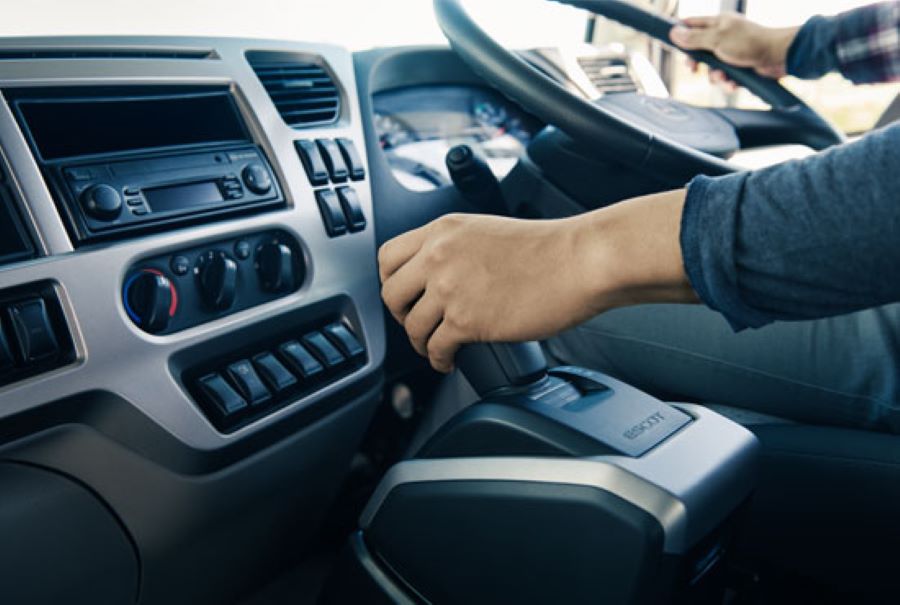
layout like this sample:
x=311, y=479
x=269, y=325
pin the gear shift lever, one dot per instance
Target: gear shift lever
x=491, y=366
x=474, y=179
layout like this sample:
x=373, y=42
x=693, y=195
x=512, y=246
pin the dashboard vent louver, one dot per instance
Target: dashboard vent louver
x=608, y=74
x=304, y=93
x=104, y=53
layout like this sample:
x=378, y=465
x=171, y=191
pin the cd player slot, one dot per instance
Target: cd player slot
x=149, y=166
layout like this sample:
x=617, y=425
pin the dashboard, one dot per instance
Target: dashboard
x=192, y=340
x=418, y=125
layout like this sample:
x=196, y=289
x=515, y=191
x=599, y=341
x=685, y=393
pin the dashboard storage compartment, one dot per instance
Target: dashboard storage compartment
x=60, y=543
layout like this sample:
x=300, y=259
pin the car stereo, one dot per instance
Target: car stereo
x=131, y=160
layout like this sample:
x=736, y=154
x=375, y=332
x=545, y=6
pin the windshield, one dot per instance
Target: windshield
x=356, y=24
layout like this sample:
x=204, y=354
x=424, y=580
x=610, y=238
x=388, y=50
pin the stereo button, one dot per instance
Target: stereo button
x=257, y=179
x=101, y=202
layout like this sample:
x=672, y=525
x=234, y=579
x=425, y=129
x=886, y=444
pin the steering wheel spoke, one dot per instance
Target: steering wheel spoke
x=778, y=126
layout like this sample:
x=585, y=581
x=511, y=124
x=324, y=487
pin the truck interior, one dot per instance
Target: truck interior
x=204, y=401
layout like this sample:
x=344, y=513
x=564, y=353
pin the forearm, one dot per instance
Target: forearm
x=807, y=239
x=631, y=253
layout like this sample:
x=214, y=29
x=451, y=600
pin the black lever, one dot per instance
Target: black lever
x=492, y=366
x=474, y=179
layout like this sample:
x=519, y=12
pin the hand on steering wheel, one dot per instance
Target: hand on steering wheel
x=736, y=40
x=600, y=126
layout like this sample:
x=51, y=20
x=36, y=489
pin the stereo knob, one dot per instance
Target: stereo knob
x=257, y=178
x=101, y=202
x=218, y=279
x=150, y=300
x=275, y=264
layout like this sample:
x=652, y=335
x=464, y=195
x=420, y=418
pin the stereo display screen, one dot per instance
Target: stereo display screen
x=181, y=197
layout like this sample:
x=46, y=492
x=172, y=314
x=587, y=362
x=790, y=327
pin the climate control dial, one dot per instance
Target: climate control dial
x=217, y=278
x=278, y=268
x=151, y=299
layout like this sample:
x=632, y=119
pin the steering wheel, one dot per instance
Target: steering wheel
x=643, y=132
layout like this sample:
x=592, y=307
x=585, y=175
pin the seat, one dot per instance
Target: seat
x=828, y=498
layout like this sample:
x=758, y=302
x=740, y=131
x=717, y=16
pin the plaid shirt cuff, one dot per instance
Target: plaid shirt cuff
x=867, y=43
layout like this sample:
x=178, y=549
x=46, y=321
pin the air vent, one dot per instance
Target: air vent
x=608, y=75
x=104, y=53
x=304, y=93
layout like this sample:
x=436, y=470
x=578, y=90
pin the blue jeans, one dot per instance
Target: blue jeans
x=843, y=370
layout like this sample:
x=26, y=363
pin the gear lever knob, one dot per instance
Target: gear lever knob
x=492, y=366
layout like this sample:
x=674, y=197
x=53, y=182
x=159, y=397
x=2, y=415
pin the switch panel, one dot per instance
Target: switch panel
x=300, y=359
x=356, y=220
x=261, y=378
x=278, y=377
x=312, y=162
x=351, y=158
x=32, y=329
x=332, y=214
x=334, y=160
x=220, y=394
x=34, y=336
x=322, y=348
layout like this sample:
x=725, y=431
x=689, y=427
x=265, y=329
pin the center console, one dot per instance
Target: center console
x=558, y=486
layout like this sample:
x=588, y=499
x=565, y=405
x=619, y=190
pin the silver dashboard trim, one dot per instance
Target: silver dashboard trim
x=114, y=355
x=690, y=483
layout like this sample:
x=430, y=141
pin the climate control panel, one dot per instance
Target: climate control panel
x=175, y=291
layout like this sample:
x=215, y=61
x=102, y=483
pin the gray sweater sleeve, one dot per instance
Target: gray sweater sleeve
x=806, y=239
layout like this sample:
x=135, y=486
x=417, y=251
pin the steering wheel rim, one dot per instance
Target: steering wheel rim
x=588, y=123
